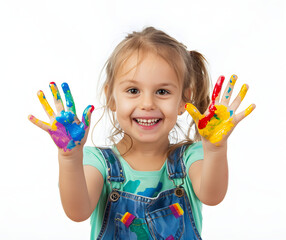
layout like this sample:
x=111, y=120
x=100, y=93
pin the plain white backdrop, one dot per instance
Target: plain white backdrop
x=58, y=40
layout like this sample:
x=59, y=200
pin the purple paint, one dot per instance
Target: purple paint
x=60, y=136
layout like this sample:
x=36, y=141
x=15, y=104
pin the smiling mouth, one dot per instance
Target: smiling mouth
x=147, y=122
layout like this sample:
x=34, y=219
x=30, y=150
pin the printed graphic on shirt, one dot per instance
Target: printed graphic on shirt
x=131, y=186
x=151, y=192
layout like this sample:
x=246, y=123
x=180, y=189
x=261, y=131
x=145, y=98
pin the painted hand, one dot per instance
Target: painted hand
x=220, y=119
x=65, y=128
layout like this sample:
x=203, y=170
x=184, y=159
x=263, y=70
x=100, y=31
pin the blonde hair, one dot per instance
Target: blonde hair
x=190, y=67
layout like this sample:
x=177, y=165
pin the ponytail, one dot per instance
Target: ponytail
x=200, y=85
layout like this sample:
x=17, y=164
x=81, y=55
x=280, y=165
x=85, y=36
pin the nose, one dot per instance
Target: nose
x=147, y=102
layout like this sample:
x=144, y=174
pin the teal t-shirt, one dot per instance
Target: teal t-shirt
x=145, y=183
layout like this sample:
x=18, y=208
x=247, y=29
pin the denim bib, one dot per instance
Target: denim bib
x=130, y=216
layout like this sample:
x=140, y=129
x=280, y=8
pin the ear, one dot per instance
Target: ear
x=109, y=98
x=182, y=109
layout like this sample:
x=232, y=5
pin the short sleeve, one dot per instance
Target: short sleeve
x=193, y=153
x=92, y=156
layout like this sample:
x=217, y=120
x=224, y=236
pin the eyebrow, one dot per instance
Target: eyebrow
x=161, y=85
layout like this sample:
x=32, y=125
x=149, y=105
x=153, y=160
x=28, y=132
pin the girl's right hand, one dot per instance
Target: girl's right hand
x=65, y=128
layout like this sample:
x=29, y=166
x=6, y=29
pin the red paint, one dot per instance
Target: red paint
x=217, y=87
x=204, y=121
x=53, y=83
x=92, y=108
x=186, y=105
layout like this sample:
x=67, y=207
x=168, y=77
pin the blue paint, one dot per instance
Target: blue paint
x=65, y=118
x=71, y=144
x=229, y=89
x=226, y=97
x=231, y=113
x=76, y=131
x=68, y=96
x=151, y=192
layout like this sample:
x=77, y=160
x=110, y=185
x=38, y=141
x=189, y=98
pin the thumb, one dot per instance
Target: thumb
x=194, y=112
x=86, y=115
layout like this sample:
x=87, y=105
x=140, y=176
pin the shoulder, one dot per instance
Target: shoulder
x=92, y=156
x=193, y=153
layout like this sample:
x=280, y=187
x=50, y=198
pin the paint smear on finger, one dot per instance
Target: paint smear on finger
x=243, y=91
x=45, y=103
x=233, y=79
x=55, y=91
x=248, y=110
x=68, y=96
x=205, y=120
x=86, y=115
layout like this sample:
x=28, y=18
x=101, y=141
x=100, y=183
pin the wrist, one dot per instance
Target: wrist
x=76, y=154
x=208, y=146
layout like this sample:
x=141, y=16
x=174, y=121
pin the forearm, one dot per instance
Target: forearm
x=73, y=187
x=214, y=178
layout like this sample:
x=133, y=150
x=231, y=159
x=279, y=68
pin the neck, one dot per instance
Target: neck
x=144, y=156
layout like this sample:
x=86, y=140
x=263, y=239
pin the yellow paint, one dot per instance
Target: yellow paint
x=248, y=110
x=243, y=91
x=194, y=112
x=53, y=126
x=218, y=126
x=45, y=103
x=54, y=91
x=233, y=79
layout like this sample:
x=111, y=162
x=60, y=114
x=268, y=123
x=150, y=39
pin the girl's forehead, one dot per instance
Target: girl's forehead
x=146, y=63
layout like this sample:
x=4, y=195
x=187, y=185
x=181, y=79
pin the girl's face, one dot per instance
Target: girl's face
x=147, y=98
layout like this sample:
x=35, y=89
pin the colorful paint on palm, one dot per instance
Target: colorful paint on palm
x=219, y=120
x=64, y=128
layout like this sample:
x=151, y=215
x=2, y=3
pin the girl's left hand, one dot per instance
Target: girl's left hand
x=217, y=123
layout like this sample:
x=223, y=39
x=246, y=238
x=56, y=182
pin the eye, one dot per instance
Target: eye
x=162, y=92
x=133, y=91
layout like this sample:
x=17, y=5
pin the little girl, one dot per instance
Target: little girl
x=144, y=187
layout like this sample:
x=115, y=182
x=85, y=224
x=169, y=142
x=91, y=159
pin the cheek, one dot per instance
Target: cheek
x=124, y=109
x=171, y=111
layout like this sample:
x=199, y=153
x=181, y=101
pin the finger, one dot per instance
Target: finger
x=245, y=113
x=86, y=116
x=217, y=88
x=228, y=90
x=237, y=101
x=43, y=125
x=194, y=112
x=69, y=98
x=45, y=104
x=57, y=97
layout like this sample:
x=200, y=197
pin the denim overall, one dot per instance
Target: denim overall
x=130, y=216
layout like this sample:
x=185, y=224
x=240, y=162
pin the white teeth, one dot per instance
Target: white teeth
x=148, y=122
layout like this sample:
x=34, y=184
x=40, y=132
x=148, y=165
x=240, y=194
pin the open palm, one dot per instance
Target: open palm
x=220, y=119
x=64, y=127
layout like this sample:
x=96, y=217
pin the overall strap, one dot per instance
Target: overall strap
x=176, y=167
x=115, y=172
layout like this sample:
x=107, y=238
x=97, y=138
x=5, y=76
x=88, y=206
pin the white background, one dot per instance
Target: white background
x=57, y=40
